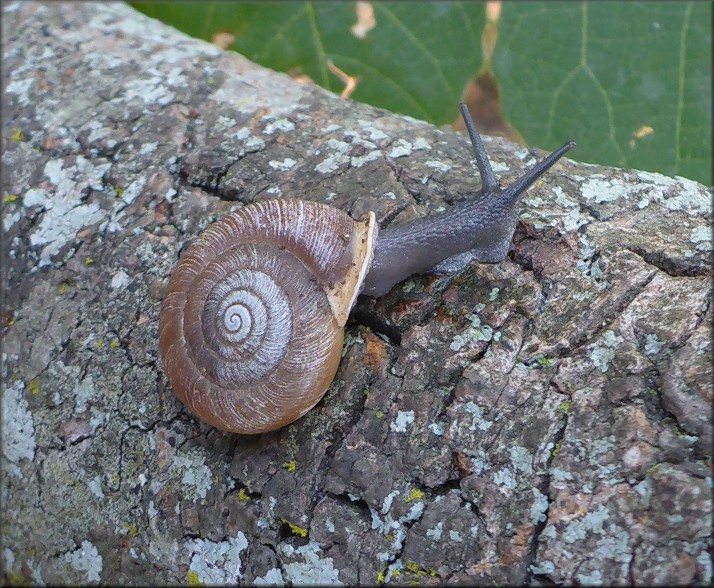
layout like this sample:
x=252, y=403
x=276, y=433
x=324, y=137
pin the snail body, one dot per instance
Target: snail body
x=252, y=325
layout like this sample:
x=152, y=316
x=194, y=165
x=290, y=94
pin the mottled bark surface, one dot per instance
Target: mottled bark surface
x=544, y=419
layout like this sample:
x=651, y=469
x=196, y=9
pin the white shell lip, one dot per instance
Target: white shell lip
x=343, y=296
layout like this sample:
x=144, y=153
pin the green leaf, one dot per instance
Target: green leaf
x=629, y=81
x=416, y=60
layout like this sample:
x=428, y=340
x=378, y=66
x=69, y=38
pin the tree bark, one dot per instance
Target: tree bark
x=544, y=419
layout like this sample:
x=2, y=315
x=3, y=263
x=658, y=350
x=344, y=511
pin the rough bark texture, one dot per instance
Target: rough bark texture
x=544, y=419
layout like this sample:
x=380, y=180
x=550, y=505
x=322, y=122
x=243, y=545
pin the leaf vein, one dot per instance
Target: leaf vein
x=418, y=43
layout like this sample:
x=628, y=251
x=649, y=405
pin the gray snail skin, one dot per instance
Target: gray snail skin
x=484, y=224
x=252, y=325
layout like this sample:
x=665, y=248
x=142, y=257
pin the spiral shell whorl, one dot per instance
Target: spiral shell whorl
x=249, y=332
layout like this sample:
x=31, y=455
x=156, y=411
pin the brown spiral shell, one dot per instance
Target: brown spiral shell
x=251, y=328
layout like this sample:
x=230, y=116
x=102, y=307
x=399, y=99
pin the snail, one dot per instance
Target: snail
x=252, y=325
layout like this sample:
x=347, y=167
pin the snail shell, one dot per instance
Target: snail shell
x=251, y=328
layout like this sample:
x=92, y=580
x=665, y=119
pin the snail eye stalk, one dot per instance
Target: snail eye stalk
x=489, y=182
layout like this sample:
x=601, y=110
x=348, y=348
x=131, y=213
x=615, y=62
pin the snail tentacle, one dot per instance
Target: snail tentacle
x=489, y=182
x=484, y=225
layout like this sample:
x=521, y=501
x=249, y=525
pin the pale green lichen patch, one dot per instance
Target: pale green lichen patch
x=273, y=577
x=652, y=345
x=337, y=157
x=120, y=280
x=284, y=165
x=132, y=191
x=437, y=428
x=602, y=355
x=600, y=446
x=9, y=219
x=157, y=88
x=408, y=286
x=704, y=560
x=403, y=420
x=594, y=578
x=571, y=219
x=311, y=568
x=473, y=334
x=678, y=193
x=599, y=189
x=64, y=210
x=522, y=460
x=21, y=89
x=400, y=148
x=374, y=133
x=477, y=417
x=395, y=531
x=387, y=502
x=360, y=160
x=560, y=475
x=87, y=560
x=216, y=563
x=282, y=125
x=702, y=237
x=95, y=487
x=420, y=143
x=505, y=477
x=592, y=522
x=644, y=489
x=545, y=567
x=455, y=536
x=614, y=545
x=196, y=477
x=480, y=462
x=436, y=532
x=18, y=430
x=590, y=269
x=83, y=393
x=587, y=247
x=539, y=507
x=358, y=139
x=500, y=167
x=438, y=165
